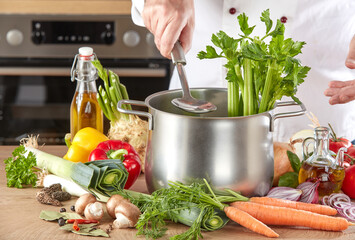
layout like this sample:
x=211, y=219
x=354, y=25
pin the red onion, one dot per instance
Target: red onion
x=338, y=198
x=342, y=203
x=325, y=200
x=286, y=193
x=309, y=192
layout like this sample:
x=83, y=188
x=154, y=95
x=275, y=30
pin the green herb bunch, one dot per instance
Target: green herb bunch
x=259, y=73
x=20, y=170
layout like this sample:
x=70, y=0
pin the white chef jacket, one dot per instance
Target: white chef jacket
x=326, y=26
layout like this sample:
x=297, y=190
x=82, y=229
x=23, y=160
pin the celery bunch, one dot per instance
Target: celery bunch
x=259, y=73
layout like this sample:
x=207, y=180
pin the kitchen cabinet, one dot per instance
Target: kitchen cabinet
x=20, y=211
x=65, y=7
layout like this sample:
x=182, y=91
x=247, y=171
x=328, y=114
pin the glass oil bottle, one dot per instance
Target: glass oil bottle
x=320, y=165
x=85, y=110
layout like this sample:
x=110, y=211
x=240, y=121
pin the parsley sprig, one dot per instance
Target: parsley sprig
x=20, y=170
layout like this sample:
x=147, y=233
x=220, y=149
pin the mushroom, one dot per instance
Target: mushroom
x=127, y=215
x=112, y=202
x=94, y=211
x=83, y=201
x=125, y=212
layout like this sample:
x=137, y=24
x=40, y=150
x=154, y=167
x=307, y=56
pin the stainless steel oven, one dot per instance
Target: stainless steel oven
x=36, y=54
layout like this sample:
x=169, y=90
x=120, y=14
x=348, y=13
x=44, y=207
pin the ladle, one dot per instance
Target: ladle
x=187, y=102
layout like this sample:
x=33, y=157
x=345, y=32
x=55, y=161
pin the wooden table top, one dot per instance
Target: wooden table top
x=19, y=216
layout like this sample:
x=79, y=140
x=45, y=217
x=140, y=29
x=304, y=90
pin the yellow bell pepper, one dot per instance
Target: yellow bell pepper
x=84, y=141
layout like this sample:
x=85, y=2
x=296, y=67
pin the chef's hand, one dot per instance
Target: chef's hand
x=169, y=21
x=343, y=91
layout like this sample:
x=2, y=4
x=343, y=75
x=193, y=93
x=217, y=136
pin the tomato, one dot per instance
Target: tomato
x=349, y=182
x=349, y=156
x=336, y=144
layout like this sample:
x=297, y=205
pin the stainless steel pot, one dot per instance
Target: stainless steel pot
x=231, y=152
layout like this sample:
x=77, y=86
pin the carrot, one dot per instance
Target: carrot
x=316, y=208
x=249, y=222
x=292, y=217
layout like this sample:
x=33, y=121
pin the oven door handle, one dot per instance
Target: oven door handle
x=65, y=72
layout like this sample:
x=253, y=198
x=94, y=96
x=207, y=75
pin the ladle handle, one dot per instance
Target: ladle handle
x=177, y=54
x=178, y=58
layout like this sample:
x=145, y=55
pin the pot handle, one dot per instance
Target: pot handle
x=286, y=114
x=135, y=112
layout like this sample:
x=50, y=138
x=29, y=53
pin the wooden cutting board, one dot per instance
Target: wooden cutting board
x=19, y=216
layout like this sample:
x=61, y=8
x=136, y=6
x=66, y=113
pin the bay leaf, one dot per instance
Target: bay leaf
x=53, y=215
x=69, y=215
x=95, y=232
x=86, y=229
x=50, y=215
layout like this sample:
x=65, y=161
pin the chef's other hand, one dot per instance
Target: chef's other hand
x=169, y=21
x=343, y=91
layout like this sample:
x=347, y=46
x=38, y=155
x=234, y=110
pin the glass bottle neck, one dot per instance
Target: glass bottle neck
x=322, y=141
x=86, y=86
x=86, y=71
x=321, y=155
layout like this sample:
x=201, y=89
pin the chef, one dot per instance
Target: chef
x=327, y=27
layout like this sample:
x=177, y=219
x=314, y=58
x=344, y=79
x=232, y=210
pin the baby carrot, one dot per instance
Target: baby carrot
x=246, y=220
x=316, y=208
x=292, y=217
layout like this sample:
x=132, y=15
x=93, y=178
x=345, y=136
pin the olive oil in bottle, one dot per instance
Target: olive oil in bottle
x=85, y=110
x=320, y=165
x=331, y=179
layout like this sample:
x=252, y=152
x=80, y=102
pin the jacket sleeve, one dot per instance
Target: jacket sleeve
x=136, y=12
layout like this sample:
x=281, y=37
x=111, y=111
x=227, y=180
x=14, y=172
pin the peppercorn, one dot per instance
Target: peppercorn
x=72, y=208
x=62, y=210
x=61, y=221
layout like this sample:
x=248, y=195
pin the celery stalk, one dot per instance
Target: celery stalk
x=265, y=97
x=249, y=97
x=269, y=67
x=233, y=99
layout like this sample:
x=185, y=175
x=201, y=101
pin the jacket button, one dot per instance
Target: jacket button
x=232, y=11
x=283, y=19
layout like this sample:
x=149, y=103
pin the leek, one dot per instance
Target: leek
x=210, y=222
x=104, y=177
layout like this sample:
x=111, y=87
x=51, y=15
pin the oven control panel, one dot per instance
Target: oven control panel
x=60, y=36
x=67, y=32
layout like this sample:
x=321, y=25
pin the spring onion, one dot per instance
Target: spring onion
x=127, y=128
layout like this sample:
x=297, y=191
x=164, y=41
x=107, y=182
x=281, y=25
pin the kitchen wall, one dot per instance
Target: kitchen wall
x=65, y=6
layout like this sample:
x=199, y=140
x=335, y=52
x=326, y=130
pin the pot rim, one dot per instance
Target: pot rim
x=202, y=115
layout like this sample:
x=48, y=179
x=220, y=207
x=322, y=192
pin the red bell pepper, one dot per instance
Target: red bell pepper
x=116, y=149
x=336, y=143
